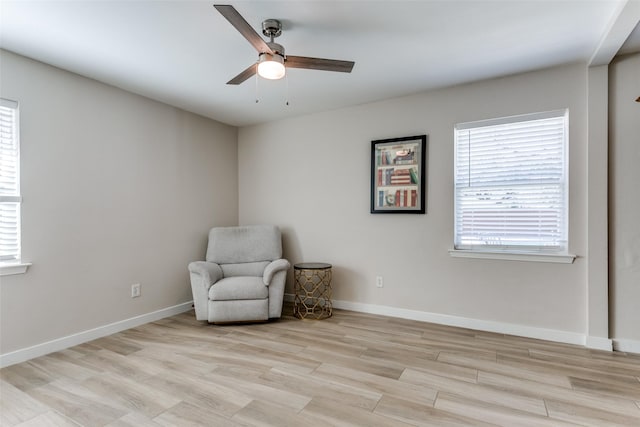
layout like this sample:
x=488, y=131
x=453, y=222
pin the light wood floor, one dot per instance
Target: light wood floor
x=350, y=370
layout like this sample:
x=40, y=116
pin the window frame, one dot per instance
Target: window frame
x=515, y=252
x=14, y=265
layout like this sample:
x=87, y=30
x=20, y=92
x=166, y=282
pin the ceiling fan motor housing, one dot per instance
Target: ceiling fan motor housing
x=271, y=28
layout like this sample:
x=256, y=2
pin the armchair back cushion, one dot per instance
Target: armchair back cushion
x=236, y=245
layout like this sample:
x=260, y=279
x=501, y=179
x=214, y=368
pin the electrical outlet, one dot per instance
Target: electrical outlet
x=379, y=282
x=135, y=290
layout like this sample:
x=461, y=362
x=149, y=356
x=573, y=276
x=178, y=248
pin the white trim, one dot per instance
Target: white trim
x=620, y=26
x=599, y=343
x=10, y=268
x=462, y=322
x=512, y=119
x=514, y=256
x=37, y=350
x=628, y=346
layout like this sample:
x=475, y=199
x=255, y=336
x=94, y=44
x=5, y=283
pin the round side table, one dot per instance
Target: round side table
x=312, y=288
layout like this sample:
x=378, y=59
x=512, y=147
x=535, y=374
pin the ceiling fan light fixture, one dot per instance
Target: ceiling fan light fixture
x=271, y=66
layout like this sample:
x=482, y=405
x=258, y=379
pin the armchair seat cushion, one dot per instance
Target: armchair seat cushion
x=238, y=288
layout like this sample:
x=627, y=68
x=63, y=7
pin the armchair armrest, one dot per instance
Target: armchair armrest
x=210, y=272
x=274, y=267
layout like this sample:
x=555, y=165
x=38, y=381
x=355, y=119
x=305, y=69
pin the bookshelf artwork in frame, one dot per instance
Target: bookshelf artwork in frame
x=398, y=175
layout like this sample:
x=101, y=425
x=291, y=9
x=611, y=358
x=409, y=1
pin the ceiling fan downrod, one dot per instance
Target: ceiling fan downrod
x=272, y=28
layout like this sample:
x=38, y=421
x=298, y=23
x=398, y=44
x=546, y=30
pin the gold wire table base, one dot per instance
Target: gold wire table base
x=312, y=288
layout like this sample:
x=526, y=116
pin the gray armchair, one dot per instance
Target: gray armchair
x=243, y=276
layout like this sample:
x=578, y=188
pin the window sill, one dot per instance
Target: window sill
x=514, y=256
x=10, y=268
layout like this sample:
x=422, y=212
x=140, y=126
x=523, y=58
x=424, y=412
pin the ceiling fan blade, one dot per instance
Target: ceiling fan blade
x=250, y=71
x=243, y=27
x=318, y=64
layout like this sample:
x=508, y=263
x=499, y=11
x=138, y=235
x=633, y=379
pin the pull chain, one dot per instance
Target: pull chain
x=286, y=101
x=257, y=77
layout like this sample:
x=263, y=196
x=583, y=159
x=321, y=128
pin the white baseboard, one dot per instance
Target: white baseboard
x=628, y=346
x=599, y=343
x=462, y=322
x=38, y=350
x=625, y=345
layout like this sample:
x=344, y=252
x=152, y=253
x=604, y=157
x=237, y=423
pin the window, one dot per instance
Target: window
x=9, y=182
x=511, y=184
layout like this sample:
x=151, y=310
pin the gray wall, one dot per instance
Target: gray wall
x=117, y=189
x=624, y=175
x=311, y=175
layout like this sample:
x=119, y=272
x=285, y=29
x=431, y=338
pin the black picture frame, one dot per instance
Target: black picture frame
x=398, y=175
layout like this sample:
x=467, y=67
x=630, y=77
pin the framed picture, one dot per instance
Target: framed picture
x=398, y=175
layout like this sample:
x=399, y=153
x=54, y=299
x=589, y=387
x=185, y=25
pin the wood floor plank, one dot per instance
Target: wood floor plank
x=57, y=366
x=116, y=345
x=259, y=413
x=632, y=392
x=353, y=369
x=419, y=394
x=159, y=360
x=563, y=368
x=78, y=403
x=505, y=342
x=298, y=362
x=202, y=392
x=480, y=392
x=515, y=370
x=323, y=338
x=330, y=413
x=493, y=414
x=16, y=406
x=524, y=387
x=405, y=355
x=479, y=346
x=265, y=343
x=443, y=369
x=134, y=395
x=422, y=415
x=133, y=419
x=389, y=369
x=267, y=393
x=318, y=387
x=25, y=376
x=185, y=414
x=599, y=365
x=588, y=416
x=128, y=367
x=48, y=419
x=462, y=347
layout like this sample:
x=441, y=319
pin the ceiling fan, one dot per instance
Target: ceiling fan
x=272, y=60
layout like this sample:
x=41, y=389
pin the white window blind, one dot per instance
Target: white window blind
x=9, y=182
x=510, y=184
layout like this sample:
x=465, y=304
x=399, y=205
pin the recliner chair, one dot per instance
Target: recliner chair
x=243, y=276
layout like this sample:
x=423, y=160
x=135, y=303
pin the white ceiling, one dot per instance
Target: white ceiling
x=183, y=52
